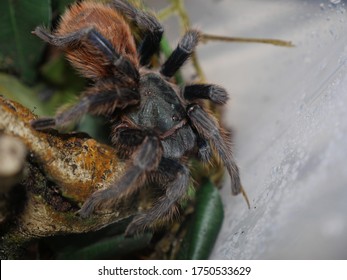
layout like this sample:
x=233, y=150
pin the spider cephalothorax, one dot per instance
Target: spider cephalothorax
x=157, y=124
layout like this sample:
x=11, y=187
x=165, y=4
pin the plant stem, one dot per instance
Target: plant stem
x=276, y=42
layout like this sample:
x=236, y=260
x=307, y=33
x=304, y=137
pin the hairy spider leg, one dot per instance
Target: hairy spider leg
x=208, y=128
x=102, y=102
x=204, y=149
x=120, y=63
x=175, y=178
x=105, y=96
x=214, y=93
x=181, y=53
x=148, y=24
x=168, y=173
x=145, y=159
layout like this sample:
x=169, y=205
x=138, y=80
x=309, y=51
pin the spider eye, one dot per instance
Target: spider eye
x=148, y=93
x=175, y=118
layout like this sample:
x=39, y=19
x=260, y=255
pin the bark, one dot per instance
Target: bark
x=59, y=172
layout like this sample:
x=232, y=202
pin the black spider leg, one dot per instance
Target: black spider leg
x=148, y=24
x=145, y=159
x=209, y=129
x=100, y=103
x=120, y=63
x=181, y=53
x=175, y=177
x=214, y=93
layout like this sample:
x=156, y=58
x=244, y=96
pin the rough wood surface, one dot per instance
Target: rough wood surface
x=61, y=171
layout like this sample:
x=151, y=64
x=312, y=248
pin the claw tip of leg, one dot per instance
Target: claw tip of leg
x=43, y=123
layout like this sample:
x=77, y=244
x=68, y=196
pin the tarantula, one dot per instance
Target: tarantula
x=157, y=124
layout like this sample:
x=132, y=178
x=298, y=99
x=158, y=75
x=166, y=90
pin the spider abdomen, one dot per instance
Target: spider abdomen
x=104, y=20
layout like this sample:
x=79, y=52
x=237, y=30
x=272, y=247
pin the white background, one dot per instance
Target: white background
x=89, y=270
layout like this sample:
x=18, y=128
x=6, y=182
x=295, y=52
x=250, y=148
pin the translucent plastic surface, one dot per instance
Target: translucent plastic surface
x=288, y=111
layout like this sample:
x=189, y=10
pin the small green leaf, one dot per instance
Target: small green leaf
x=54, y=71
x=97, y=127
x=204, y=226
x=13, y=89
x=114, y=247
x=58, y=72
x=20, y=51
x=106, y=243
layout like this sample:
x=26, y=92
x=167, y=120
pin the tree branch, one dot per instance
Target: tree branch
x=61, y=171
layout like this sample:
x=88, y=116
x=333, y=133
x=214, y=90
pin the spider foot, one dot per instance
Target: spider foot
x=89, y=206
x=137, y=226
x=211, y=92
x=43, y=123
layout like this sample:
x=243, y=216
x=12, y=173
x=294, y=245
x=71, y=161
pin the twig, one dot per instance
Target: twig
x=209, y=37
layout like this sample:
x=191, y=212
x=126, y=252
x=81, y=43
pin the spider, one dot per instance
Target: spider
x=157, y=124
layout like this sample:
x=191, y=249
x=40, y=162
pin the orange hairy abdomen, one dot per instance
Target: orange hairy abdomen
x=110, y=24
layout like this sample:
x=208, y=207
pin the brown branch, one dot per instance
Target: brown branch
x=62, y=171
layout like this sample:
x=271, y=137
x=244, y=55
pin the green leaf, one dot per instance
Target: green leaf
x=58, y=72
x=106, y=243
x=20, y=51
x=108, y=248
x=13, y=89
x=97, y=127
x=204, y=226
